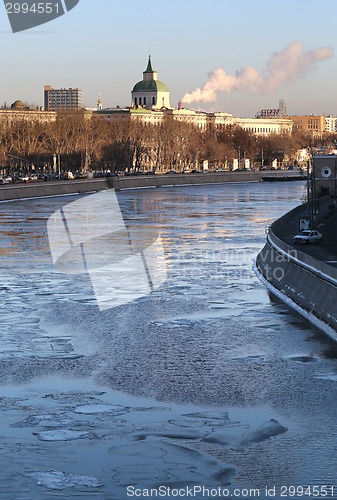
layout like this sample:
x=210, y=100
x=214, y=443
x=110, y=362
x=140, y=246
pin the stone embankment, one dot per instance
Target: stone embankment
x=56, y=188
x=304, y=277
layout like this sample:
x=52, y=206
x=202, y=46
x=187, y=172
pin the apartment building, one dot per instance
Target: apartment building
x=62, y=99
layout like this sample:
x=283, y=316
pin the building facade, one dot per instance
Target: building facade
x=18, y=111
x=62, y=99
x=313, y=124
x=200, y=119
x=330, y=124
x=265, y=126
x=150, y=104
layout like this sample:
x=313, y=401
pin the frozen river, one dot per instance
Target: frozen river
x=206, y=382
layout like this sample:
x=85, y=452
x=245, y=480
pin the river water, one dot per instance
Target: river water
x=205, y=382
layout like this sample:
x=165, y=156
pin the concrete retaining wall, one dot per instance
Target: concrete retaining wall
x=181, y=179
x=56, y=188
x=41, y=189
x=306, y=281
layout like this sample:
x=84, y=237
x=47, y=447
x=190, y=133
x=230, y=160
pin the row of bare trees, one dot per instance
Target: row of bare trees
x=88, y=142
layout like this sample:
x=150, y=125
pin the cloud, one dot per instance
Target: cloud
x=287, y=66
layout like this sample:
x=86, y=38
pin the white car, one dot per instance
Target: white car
x=308, y=236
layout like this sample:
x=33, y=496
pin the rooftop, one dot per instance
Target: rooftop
x=150, y=86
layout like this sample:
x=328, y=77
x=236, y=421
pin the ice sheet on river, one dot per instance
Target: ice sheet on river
x=210, y=336
x=143, y=442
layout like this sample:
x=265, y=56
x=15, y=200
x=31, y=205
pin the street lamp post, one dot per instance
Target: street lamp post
x=57, y=161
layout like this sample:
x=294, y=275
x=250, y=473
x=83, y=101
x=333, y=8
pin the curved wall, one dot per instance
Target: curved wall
x=300, y=279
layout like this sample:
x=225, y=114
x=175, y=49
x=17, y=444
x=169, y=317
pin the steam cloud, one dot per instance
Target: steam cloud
x=286, y=66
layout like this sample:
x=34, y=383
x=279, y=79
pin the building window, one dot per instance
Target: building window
x=140, y=101
x=153, y=101
x=144, y=101
x=135, y=101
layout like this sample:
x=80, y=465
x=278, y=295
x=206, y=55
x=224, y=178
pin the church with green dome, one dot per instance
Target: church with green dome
x=150, y=93
x=150, y=105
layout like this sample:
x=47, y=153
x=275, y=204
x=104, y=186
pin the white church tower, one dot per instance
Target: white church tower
x=150, y=93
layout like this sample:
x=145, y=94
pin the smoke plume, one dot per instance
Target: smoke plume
x=286, y=66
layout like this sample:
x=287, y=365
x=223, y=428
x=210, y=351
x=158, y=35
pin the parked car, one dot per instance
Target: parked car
x=308, y=236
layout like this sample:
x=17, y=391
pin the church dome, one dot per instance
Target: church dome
x=150, y=93
x=150, y=86
x=18, y=105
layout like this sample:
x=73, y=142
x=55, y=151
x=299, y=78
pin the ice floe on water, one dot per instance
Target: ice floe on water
x=58, y=480
x=100, y=408
x=62, y=435
x=47, y=420
x=74, y=397
x=302, y=358
x=328, y=376
x=267, y=430
x=123, y=440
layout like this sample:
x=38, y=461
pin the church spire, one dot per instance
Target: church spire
x=149, y=73
x=149, y=66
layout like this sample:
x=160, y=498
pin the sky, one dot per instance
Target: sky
x=288, y=46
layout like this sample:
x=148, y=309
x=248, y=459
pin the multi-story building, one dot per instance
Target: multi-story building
x=150, y=104
x=330, y=124
x=62, y=99
x=314, y=124
x=265, y=126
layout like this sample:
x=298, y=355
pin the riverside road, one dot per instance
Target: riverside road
x=326, y=250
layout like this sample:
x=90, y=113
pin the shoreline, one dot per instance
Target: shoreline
x=83, y=186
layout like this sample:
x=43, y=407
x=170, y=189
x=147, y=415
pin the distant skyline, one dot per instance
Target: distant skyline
x=103, y=46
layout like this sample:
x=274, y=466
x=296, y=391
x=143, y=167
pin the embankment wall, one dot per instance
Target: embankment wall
x=42, y=189
x=306, y=281
x=55, y=188
x=182, y=179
